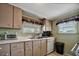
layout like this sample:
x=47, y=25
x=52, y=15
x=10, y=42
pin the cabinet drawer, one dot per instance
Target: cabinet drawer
x=17, y=49
x=5, y=50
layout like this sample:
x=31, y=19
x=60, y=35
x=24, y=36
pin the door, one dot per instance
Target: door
x=6, y=15
x=28, y=48
x=4, y=49
x=43, y=47
x=17, y=17
x=17, y=49
x=36, y=48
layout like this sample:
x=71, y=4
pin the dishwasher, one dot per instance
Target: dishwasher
x=50, y=45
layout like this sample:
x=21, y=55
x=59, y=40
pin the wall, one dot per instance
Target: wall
x=68, y=39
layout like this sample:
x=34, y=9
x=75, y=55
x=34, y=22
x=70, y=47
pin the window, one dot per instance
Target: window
x=31, y=28
x=67, y=27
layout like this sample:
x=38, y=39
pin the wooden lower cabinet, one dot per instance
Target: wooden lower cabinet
x=36, y=48
x=17, y=49
x=4, y=49
x=43, y=47
x=28, y=48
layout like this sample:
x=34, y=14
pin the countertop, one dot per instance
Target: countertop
x=21, y=39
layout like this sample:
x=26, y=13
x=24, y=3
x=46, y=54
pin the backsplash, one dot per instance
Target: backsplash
x=18, y=31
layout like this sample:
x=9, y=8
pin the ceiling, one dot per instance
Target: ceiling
x=48, y=10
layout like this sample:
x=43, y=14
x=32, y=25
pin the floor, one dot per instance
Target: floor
x=56, y=54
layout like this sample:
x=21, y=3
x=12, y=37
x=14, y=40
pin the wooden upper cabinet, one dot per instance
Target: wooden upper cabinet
x=17, y=17
x=10, y=16
x=47, y=25
x=6, y=15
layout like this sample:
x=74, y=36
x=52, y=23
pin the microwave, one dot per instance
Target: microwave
x=46, y=33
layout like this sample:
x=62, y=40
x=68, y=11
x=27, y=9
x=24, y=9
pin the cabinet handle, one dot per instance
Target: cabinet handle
x=0, y=48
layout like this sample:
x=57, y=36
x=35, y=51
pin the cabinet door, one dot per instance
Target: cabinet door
x=28, y=48
x=43, y=47
x=5, y=50
x=36, y=48
x=47, y=25
x=6, y=15
x=17, y=17
x=17, y=49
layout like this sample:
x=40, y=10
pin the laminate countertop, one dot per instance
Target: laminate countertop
x=21, y=39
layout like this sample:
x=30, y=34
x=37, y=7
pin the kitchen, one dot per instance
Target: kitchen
x=12, y=20
x=25, y=34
